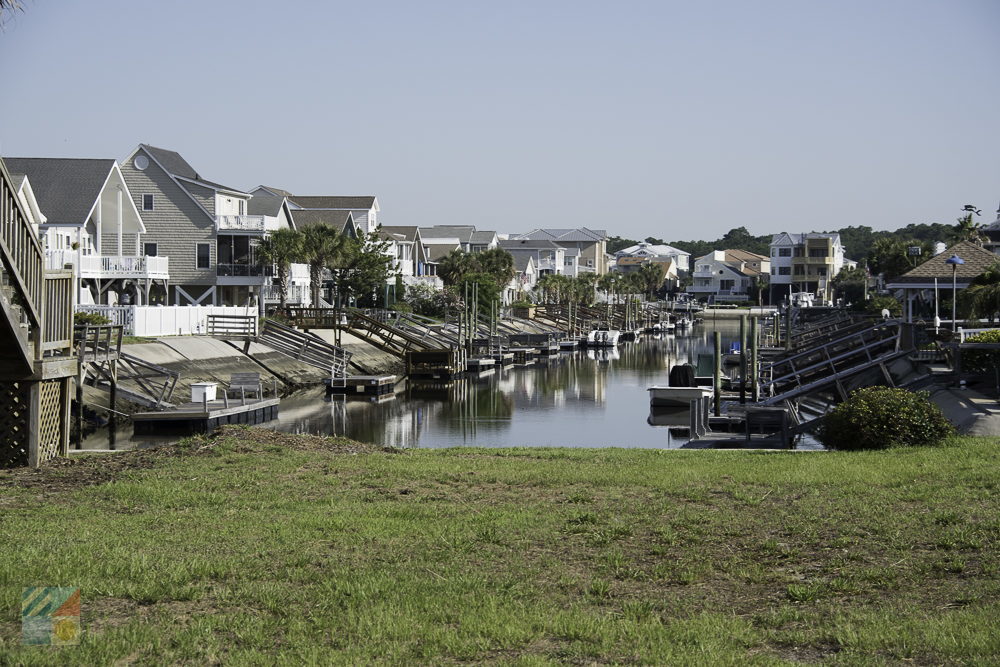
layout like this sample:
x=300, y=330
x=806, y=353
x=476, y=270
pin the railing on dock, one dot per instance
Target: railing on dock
x=232, y=326
x=58, y=319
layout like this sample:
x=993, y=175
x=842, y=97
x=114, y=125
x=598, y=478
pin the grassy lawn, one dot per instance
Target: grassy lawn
x=260, y=548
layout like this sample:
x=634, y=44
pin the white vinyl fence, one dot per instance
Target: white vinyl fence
x=164, y=320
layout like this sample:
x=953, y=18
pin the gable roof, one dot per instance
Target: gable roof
x=529, y=244
x=264, y=204
x=736, y=255
x=65, y=188
x=273, y=191
x=461, y=232
x=483, y=236
x=179, y=168
x=409, y=233
x=522, y=261
x=568, y=235
x=660, y=250
x=360, y=203
x=342, y=221
x=437, y=251
x=977, y=260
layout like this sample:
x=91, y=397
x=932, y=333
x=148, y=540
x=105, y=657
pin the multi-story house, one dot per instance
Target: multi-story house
x=592, y=244
x=408, y=248
x=805, y=263
x=87, y=219
x=728, y=275
x=364, y=208
x=657, y=252
x=468, y=237
x=548, y=257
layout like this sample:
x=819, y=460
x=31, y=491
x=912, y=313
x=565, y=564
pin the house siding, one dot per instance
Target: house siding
x=204, y=196
x=176, y=224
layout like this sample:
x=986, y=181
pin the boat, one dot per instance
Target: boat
x=603, y=337
x=682, y=323
x=663, y=327
x=676, y=396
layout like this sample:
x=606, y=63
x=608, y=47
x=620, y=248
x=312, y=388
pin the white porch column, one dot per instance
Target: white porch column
x=120, y=222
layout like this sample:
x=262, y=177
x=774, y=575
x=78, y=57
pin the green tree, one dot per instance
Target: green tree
x=279, y=250
x=616, y=243
x=968, y=229
x=850, y=285
x=496, y=262
x=982, y=297
x=454, y=266
x=365, y=269
x=323, y=247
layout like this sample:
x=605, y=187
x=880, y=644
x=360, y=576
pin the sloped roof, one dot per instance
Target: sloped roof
x=179, y=167
x=277, y=191
x=339, y=220
x=529, y=244
x=437, y=251
x=977, y=260
x=264, y=204
x=748, y=258
x=482, y=236
x=567, y=234
x=522, y=261
x=462, y=232
x=408, y=232
x=660, y=250
x=359, y=203
x=65, y=188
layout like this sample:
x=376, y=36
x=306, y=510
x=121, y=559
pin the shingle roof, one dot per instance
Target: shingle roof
x=264, y=204
x=977, y=260
x=178, y=166
x=437, y=251
x=657, y=249
x=339, y=220
x=482, y=236
x=749, y=258
x=335, y=202
x=408, y=232
x=278, y=191
x=521, y=261
x=65, y=188
x=462, y=232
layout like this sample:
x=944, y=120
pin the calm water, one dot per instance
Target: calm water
x=587, y=398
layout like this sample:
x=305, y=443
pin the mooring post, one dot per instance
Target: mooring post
x=78, y=440
x=788, y=329
x=113, y=420
x=717, y=373
x=743, y=360
x=754, y=381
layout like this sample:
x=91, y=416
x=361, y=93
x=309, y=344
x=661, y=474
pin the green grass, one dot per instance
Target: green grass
x=263, y=552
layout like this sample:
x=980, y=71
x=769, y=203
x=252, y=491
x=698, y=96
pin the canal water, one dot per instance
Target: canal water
x=585, y=398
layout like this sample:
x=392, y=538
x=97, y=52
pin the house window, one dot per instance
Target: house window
x=798, y=270
x=149, y=249
x=784, y=270
x=821, y=270
x=243, y=207
x=204, y=256
x=817, y=252
x=147, y=202
x=726, y=284
x=784, y=252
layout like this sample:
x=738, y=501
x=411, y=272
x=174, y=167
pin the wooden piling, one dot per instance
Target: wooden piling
x=754, y=380
x=743, y=360
x=717, y=373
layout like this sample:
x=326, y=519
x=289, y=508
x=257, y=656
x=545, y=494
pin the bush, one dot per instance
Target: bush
x=80, y=319
x=882, y=417
x=981, y=361
x=879, y=303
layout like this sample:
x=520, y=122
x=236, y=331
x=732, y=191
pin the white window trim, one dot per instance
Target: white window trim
x=152, y=202
x=202, y=268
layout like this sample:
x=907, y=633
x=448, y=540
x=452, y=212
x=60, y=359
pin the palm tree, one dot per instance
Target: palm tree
x=967, y=230
x=279, y=250
x=454, y=266
x=983, y=295
x=323, y=247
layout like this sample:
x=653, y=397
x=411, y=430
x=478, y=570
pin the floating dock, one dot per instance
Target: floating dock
x=195, y=418
x=362, y=385
x=479, y=364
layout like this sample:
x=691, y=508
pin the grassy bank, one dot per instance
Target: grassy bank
x=258, y=545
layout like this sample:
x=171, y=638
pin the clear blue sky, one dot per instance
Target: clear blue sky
x=678, y=120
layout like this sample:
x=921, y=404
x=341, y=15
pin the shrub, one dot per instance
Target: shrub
x=982, y=361
x=879, y=303
x=89, y=318
x=882, y=417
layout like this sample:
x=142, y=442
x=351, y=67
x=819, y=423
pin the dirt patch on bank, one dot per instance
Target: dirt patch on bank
x=80, y=470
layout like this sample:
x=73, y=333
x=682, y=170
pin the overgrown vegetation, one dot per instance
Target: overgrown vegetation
x=884, y=417
x=95, y=319
x=262, y=548
x=982, y=361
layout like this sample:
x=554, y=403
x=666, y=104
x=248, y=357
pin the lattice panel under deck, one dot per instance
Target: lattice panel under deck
x=14, y=424
x=50, y=420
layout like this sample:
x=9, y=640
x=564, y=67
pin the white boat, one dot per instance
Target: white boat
x=676, y=396
x=603, y=338
x=663, y=327
x=683, y=323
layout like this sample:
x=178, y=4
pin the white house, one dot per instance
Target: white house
x=804, y=263
x=680, y=258
x=727, y=275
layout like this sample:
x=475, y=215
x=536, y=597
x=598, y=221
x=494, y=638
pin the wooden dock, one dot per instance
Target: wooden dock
x=194, y=418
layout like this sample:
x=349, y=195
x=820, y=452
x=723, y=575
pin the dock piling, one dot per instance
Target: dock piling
x=717, y=373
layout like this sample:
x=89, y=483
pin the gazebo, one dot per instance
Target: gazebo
x=937, y=272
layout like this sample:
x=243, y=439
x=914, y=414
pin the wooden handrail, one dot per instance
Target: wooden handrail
x=20, y=250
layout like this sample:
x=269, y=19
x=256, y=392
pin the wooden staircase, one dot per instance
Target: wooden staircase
x=37, y=360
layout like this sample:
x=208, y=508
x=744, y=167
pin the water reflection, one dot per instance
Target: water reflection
x=592, y=398
x=586, y=398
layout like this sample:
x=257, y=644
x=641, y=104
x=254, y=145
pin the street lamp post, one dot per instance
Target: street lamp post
x=954, y=260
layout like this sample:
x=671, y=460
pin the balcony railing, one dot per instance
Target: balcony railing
x=243, y=270
x=240, y=223
x=107, y=266
x=296, y=294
